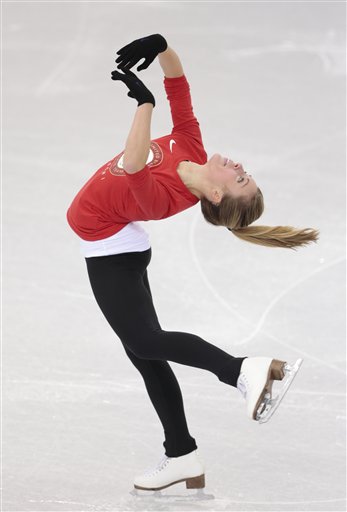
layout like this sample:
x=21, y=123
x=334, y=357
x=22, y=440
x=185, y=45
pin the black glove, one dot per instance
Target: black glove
x=137, y=89
x=146, y=47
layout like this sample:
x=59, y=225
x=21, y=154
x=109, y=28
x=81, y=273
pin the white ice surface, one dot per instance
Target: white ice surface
x=268, y=88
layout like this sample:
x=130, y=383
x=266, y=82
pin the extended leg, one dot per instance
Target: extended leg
x=118, y=285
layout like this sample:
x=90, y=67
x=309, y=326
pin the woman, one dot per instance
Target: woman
x=152, y=180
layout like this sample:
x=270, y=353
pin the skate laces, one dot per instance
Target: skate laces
x=243, y=384
x=159, y=467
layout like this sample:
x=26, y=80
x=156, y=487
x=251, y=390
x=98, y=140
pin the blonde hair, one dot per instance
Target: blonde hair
x=237, y=213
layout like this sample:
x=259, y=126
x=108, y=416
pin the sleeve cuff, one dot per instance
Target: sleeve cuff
x=175, y=80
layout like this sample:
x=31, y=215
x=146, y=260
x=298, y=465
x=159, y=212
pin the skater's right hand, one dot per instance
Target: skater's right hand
x=144, y=48
x=137, y=89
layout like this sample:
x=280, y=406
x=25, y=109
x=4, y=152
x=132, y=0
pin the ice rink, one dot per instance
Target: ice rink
x=268, y=85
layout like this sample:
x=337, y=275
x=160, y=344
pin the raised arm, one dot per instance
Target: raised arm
x=170, y=63
x=139, y=140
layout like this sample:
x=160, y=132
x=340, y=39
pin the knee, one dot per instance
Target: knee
x=144, y=345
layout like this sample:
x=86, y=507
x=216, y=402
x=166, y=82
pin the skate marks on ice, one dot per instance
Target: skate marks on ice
x=258, y=327
x=70, y=505
x=329, y=48
x=53, y=83
x=159, y=500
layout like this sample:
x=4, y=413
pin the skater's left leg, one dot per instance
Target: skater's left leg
x=166, y=397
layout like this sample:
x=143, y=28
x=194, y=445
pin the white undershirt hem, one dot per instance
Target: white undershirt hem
x=132, y=238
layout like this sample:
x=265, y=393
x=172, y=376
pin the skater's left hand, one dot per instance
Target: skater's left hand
x=145, y=47
x=137, y=89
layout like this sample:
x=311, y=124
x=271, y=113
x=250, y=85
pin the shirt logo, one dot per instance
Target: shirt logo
x=155, y=157
x=171, y=144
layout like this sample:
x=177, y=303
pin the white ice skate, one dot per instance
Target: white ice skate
x=256, y=380
x=172, y=470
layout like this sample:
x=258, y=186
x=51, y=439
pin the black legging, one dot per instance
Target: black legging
x=121, y=289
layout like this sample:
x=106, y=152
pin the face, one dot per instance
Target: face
x=229, y=177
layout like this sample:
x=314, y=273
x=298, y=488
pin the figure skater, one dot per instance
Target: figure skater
x=152, y=180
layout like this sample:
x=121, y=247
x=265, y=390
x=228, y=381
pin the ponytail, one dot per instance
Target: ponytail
x=237, y=215
x=279, y=236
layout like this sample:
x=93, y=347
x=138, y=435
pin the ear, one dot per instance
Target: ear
x=216, y=197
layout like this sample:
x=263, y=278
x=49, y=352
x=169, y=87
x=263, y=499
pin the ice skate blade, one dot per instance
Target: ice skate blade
x=269, y=405
x=195, y=482
x=199, y=495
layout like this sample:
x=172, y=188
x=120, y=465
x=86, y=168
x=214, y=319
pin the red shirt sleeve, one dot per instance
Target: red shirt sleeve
x=183, y=118
x=152, y=197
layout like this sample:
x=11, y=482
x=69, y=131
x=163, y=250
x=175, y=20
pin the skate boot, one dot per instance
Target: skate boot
x=172, y=470
x=255, y=383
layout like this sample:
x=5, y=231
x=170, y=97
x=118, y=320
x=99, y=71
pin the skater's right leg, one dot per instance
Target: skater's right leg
x=118, y=286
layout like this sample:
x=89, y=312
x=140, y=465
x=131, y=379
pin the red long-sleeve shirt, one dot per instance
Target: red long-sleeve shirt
x=111, y=198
